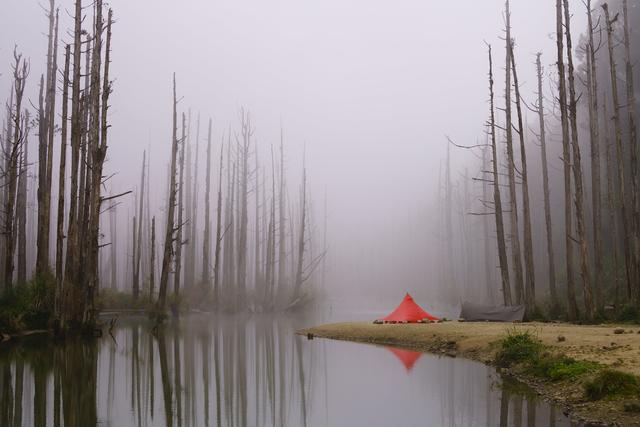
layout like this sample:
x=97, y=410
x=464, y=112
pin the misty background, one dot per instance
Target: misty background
x=367, y=89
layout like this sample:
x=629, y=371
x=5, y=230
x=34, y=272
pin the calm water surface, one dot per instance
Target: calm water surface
x=250, y=371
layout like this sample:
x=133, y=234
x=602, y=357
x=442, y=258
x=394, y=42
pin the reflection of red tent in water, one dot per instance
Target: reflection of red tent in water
x=408, y=311
x=407, y=357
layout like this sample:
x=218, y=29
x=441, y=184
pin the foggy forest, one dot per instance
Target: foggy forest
x=249, y=162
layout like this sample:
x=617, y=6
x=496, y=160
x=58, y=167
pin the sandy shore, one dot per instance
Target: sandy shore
x=616, y=346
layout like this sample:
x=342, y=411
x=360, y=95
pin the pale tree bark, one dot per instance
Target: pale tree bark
x=572, y=305
x=626, y=228
x=497, y=200
x=206, y=246
x=594, y=134
x=545, y=187
x=170, y=226
x=256, y=261
x=577, y=175
x=514, y=234
x=193, y=218
x=243, y=187
x=530, y=294
x=188, y=205
x=633, y=148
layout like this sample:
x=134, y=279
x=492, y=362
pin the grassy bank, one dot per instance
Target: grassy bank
x=591, y=370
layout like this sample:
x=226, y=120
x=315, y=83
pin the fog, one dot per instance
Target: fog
x=365, y=90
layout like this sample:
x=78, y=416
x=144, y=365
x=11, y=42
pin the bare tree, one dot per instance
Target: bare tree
x=566, y=158
x=497, y=201
x=545, y=187
x=137, y=250
x=206, y=245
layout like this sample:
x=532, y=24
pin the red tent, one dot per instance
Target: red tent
x=408, y=311
x=407, y=357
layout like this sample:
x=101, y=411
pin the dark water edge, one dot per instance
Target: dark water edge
x=207, y=370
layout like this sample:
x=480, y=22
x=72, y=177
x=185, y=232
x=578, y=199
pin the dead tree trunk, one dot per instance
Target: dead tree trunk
x=282, y=246
x=21, y=206
x=594, y=133
x=61, y=179
x=170, y=226
x=612, y=208
x=193, y=219
x=572, y=306
x=216, y=260
x=188, y=212
x=514, y=234
x=206, y=246
x=297, y=293
x=243, y=183
x=70, y=291
x=530, y=294
x=497, y=201
x=152, y=265
x=178, y=260
x=633, y=148
x=45, y=146
x=545, y=188
x=20, y=74
x=137, y=250
x=626, y=229
x=577, y=175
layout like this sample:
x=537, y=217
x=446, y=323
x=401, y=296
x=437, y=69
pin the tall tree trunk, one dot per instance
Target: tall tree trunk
x=45, y=146
x=572, y=305
x=611, y=205
x=594, y=133
x=61, y=180
x=626, y=229
x=137, y=250
x=206, y=246
x=216, y=259
x=514, y=234
x=20, y=74
x=282, y=246
x=497, y=201
x=545, y=188
x=170, y=226
x=530, y=294
x=188, y=205
x=243, y=183
x=193, y=219
x=152, y=265
x=297, y=293
x=633, y=148
x=21, y=207
x=577, y=175
x=178, y=260
x=70, y=271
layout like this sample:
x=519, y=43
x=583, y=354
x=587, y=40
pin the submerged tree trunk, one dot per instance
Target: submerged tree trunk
x=21, y=207
x=137, y=250
x=152, y=265
x=497, y=201
x=301, y=238
x=216, y=259
x=178, y=260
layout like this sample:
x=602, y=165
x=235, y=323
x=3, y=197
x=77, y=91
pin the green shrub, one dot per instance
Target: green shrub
x=519, y=347
x=556, y=368
x=28, y=306
x=610, y=382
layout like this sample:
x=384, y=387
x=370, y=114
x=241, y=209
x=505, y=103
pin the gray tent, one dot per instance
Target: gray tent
x=476, y=312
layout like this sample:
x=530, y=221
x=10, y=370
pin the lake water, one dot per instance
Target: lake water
x=251, y=371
